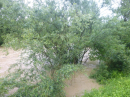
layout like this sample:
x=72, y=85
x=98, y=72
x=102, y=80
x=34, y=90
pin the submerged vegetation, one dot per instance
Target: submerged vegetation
x=55, y=36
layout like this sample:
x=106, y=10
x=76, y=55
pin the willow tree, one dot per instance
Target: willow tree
x=53, y=40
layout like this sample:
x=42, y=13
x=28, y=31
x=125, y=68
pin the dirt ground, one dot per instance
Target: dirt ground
x=76, y=86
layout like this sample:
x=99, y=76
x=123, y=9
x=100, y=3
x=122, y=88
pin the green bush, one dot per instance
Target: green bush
x=45, y=85
x=119, y=62
x=1, y=40
x=117, y=87
x=102, y=73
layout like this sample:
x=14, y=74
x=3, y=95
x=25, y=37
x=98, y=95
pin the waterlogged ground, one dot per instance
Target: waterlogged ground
x=76, y=86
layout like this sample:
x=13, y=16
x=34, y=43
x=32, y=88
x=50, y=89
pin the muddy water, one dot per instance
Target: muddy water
x=7, y=60
x=76, y=85
x=81, y=81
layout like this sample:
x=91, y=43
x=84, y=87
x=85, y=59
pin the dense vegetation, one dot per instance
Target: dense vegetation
x=118, y=87
x=113, y=50
x=55, y=36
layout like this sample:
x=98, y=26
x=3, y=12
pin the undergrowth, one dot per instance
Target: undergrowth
x=116, y=83
x=46, y=86
x=102, y=74
x=116, y=87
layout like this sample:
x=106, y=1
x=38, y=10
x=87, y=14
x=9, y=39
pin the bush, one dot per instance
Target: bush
x=1, y=40
x=118, y=62
x=102, y=73
x=118, y=87
x=45, y=85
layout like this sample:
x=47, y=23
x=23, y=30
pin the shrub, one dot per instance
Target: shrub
x=102, y=73
x=118, y=87
x=1, y=40
x=45, y=85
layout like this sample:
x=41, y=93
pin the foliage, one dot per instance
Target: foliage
x=51, y=38
x=45, y=84
x=109, y=46
x=110, y=43
x=102, y=75
x=118, y=87
x=12, y=17
x=2, y=89
x=53, y=35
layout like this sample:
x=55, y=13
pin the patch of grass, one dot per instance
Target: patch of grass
x=2, y=89
x=116, y=87
x=102, y=75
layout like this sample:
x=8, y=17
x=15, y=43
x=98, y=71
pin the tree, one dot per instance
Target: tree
x=55, y=41
x=12, y=17
x=112, y=46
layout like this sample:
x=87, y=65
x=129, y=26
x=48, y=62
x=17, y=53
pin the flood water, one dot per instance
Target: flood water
x=81, y=81
x=7, y=61
x=75, y=86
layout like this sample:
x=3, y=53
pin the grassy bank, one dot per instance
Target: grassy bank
x=116, y=87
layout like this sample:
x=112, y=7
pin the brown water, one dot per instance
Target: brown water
x=76, y=86
x=81, y=82
x=7, y=60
